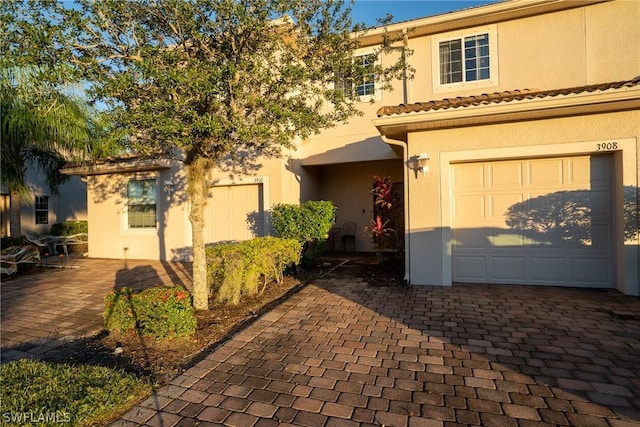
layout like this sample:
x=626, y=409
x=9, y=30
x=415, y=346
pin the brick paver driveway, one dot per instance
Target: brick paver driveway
x=342, y=353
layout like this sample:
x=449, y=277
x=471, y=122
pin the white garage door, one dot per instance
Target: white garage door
x=234, y=212
x=534, y=221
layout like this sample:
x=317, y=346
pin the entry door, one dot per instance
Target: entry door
x=534, y=221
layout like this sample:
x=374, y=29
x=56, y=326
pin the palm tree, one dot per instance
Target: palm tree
x=41, y=127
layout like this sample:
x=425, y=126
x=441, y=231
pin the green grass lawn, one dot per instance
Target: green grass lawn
x=39, y=393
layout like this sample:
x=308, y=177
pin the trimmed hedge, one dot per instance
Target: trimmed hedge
x=307, y=222
x=69, y=228
x=247, y=267
x=161, y=312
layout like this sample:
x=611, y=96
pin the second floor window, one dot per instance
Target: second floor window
x=141, y=201
x=42, y=209
x=464, y=59
x=365, y=85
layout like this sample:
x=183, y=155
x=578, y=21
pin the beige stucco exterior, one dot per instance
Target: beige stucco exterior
x=429, y=217
x=68, y=204
x=561, y=49
x=534, y=44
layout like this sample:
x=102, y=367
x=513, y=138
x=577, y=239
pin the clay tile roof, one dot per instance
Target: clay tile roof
x=499, y=97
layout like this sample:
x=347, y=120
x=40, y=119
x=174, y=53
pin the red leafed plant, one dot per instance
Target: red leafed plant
x=386, y=227
x=383, y=192
x=377, y=230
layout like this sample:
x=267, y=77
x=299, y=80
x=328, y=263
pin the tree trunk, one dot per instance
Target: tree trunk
x=197, y=189
x=15, y=206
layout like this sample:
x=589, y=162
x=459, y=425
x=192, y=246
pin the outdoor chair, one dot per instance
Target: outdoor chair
x=349, y=235
x=51, y=242
x=12, y=256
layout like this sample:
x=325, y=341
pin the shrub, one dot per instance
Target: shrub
x=246, y=268
x=161, y=312
x=386, y=229
x=42, y=393
x=69, y=228
x=308, y=223
x=8, y=242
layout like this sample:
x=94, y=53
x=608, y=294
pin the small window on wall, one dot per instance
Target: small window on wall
x=365, y=86
x=42, y=209
x=465, y=60
x=141, y=201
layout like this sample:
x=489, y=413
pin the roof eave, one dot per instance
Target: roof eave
x=397, y=126
x=118, y=167
x=473, y=17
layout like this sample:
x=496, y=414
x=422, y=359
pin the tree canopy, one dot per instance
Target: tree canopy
x=44, y=122
x=209, y=81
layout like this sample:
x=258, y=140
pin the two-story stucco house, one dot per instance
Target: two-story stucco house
x=515, y=145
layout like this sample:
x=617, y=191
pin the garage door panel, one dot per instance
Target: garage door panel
x=545, y=172
x=471, y=268
x=540, y=221
x=599, y=238
x=469, y=208
x=590, y=172
x=470, y=238
x=600, y=204
x=501, y=237
x=508, y=268
x=580, y=172
x=591, y=271
x=547, y=269
x=504, y=175
x=468, y=175
x=499, y=204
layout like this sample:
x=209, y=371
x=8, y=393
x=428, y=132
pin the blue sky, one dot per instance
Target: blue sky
x=367, y=11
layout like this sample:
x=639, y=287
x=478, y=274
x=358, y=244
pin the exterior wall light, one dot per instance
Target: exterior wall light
x=168, y=186
x=419, y=163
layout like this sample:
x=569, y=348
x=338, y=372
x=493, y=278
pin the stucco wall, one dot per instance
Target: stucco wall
x=110, y=237
x=429, y=216
x=68, y=205
x=357, y=139
x=575, y=47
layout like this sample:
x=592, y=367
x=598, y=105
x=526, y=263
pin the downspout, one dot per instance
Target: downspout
x=407, y=216
x=405, y=161
x=405, y=84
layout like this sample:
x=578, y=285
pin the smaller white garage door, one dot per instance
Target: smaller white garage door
x=234, y=212
x=534, y=221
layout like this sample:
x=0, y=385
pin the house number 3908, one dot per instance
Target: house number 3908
x=607, y=146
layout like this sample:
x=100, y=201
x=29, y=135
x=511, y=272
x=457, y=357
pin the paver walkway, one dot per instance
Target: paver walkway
x=41, y=312
x=342, y=353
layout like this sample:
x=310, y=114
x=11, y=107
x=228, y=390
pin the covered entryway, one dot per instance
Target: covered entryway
x=234, y=212
x=546, y=221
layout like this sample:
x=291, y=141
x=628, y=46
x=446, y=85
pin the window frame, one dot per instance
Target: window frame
x=38, y=209
x=146, y=225
x=342, y=84
x=436, y=41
